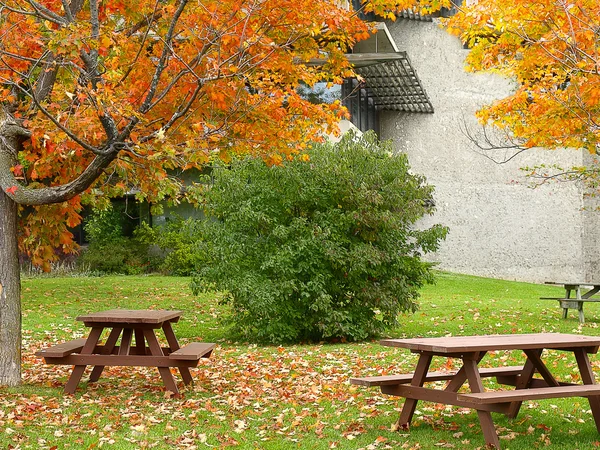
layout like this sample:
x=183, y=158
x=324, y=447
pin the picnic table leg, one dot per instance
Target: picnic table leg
x=579, y=304
x=126, y=341
x=461, y=376
x=174, y=345
x=485, y=417
x=418, y=379
x=580, y=310
x=565, y=305
x=87, y=349
x=108, y=348
x=587, y=376
x=534, y=356
x=140, y=342
x=165, y=373
x=533, y=362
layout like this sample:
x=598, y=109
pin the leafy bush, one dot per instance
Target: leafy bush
x=111, y=252
x=322, y=249
x=104, y=226
x=177, y=239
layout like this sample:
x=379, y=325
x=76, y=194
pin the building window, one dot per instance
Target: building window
x=361, y=106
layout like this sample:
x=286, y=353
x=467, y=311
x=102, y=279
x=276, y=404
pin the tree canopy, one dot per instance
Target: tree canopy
x=113, y=94
x=552, y=49
x=99, y=98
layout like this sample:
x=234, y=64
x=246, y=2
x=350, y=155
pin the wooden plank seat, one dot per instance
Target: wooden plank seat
x=580, y=390
x=573, y=303
x=68, y=353
x=563, y=299
x=390, y=380
x=193, y=351
x=62, y=350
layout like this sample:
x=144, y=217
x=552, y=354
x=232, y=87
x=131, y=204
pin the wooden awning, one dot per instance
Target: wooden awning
x=391, y=81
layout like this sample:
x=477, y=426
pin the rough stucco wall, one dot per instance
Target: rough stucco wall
x=499, y=227
x=591, y=241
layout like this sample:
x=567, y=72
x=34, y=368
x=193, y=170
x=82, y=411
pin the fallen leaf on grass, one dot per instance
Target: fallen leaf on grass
x=545, y=440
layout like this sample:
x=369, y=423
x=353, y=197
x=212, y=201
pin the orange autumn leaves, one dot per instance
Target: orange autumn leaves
x=552, y=49
x=164, y=86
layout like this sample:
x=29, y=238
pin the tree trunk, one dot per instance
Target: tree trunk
x=10, y=295
x=11, y=137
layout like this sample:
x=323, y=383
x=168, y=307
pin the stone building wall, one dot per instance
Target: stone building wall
x=499, y=226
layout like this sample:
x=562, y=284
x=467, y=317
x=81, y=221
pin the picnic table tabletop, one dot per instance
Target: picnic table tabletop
x=131, y=316
x=452, y=344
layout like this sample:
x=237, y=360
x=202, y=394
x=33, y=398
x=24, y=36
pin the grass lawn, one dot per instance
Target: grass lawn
x=278, y=397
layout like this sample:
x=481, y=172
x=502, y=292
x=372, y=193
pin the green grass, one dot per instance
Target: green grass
x=268, y=397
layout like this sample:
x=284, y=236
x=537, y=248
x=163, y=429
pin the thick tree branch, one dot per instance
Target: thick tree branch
x=55, y=194
x=47, y=14
x=47, y=78
x=11, y=135
x=68, y=13
x=49, y=72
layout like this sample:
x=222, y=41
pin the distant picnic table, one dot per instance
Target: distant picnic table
x=128, y=325
x=471, y=350
x=575, y=296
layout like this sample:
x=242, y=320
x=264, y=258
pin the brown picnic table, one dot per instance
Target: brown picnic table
x=471, y=350
x=123, y=327
x=582, y=292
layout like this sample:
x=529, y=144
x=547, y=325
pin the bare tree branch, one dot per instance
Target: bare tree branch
x=488, y=143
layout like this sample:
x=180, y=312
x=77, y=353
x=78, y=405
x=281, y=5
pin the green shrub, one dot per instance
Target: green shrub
x=111, y=252
x=104, y=226
x=318, y=250
x=177, y=240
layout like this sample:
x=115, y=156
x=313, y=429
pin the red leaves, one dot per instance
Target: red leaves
x=17, y=170
x=11, y=190
x=228, y=80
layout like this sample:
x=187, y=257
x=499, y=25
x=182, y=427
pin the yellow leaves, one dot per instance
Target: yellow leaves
x=104, y=44
x=160, y=135
x=551, y=49
x=274, y=160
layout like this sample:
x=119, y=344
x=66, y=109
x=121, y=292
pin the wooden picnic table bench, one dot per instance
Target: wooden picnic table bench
x=568, y=302
x=126, y=325
x=471, y=350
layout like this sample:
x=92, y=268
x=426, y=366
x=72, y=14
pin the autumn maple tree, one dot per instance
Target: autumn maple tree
x=552, y=49
x=103, y=97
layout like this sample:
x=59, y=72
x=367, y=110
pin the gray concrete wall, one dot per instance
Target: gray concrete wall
x=499, y=226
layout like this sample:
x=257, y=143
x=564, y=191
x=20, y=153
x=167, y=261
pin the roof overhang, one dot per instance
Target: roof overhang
x=381, y=41
x=392, y=81
x=387, y=74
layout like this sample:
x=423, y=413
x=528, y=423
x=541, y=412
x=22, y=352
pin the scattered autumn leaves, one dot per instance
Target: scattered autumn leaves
x=246, y=396
x=256, y=397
